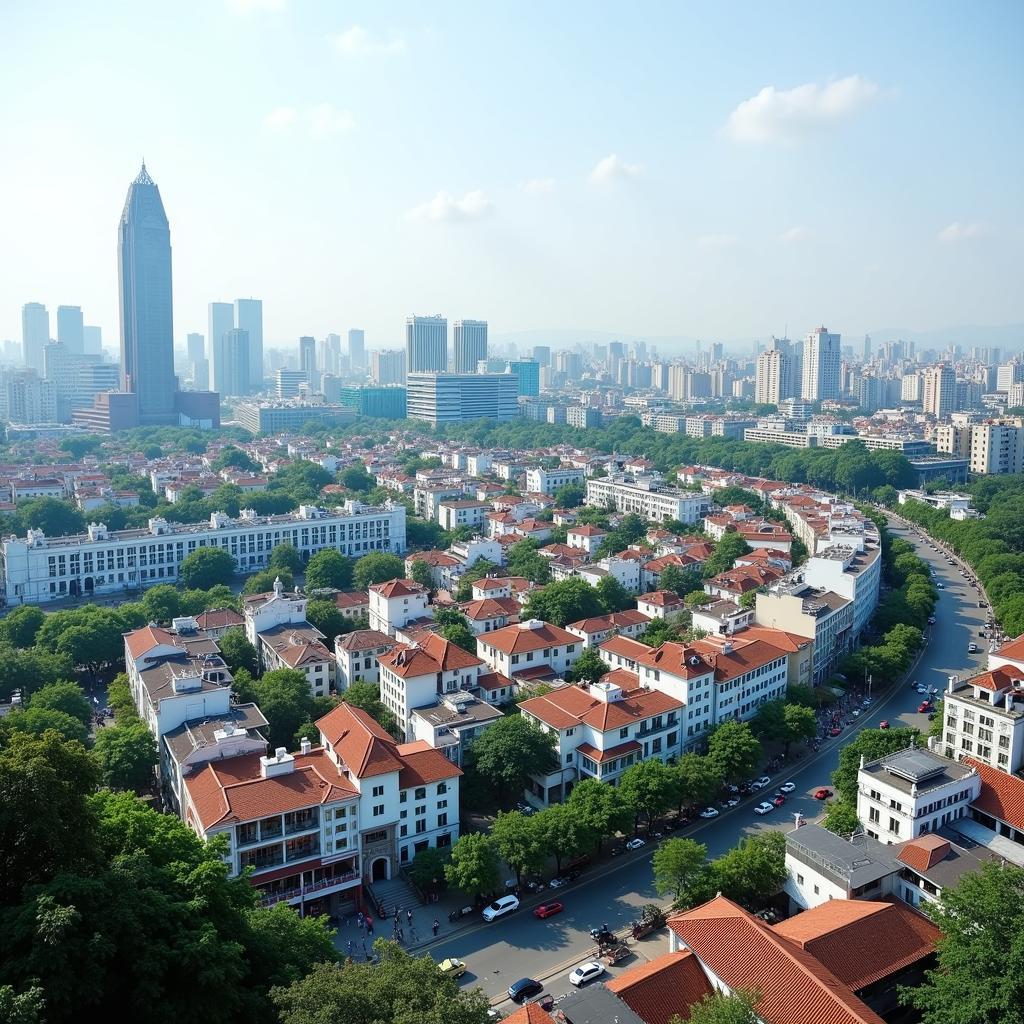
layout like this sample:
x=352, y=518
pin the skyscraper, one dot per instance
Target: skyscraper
x=307, y=357
x=527, y=373
x=35, y=335
x=469, y=344
x=778, y=373
x=236, y=349
x=249, y=318
x=144, y=279
x=221, y=320
x=388, y=366
x=92, y=338
x=821, y=362
x=71, y=329
x=939, y=391
x=542, y=353
x=357, y=349
x=199, y=366
x=426, y=344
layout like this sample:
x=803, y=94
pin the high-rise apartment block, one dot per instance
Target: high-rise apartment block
x=426, y=344
x=357, y=349
x=388, y=366
x=527, y=374
x=236, y=372
x=470, y=344
x=542, y=353
x=147, y=328
x=778, y=373
x=249, y=318
x=307, y=357
x=199, y=366
x=1008, y=374
x=71, y=328
x=35, y=335
x=939, y=393
x=997, y=447
x=221, y=320
x=821, y=365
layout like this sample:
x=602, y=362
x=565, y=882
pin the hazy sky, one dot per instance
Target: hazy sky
x=716, y=170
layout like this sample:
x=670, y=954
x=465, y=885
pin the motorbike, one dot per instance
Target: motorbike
x=456, y=915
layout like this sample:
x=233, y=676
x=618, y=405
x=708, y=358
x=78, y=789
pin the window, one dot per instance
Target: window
x=874, y=815
x=816, y=890
x=799, y=879
x=894, y=826
x=442, y=787
x=442, y=820
x=421, y=793
x=378, y=790
x=624, y=733
x=378, y=810
x=421, y=826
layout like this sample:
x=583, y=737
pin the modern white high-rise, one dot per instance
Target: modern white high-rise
x=221, y=321
x=357, y=349
x=35, y=335
x=821, y=366
x=249, y=318
x=461, y=397
x=307, y=357
x=469, y=343
x=1009, y=373
x=778, y=373
x=71, y=329
x=939, y=398
x=426, y=344
x=235, y=376
x=388, y=366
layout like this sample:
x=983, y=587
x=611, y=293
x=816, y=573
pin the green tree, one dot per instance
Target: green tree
x=841, y=818
x=286, y=556
x=524, y=560
x=600, y=808
x=681, y=871
x=427, y=869
x=647, y=787
x=400, y=989
x=162, y=603
x=377, y=567
x=871, y=744
x=779, y=722
x=563, y=831
x=474, y=867
x=55, y=518
x=236, y=458
x=28, y=670
x=716, y=1008
x=329, y=568
x=366, y=696
x=66, y=697
x=727, y=550
x=356, y=478
x=327, y=617
x=733, y=751
x=461, y=636
x=588, y=667
x=680, y=581
x=507, y=753
x=980, y=973
x=570, y=495
x=517, y=838
x=238, y=652
x=38, y=721
x=126, y=755
x=421, y=572
x=753, y=870
x=20, y=626
x=696, y=780
x=119, y=698
x=613, y=594
x=284, y=698
x=262, y=582
x=206, y=568
x=564, y=602
x=22, y=1007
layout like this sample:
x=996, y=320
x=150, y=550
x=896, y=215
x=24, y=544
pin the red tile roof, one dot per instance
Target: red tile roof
x=662, y=988
x=795, y=988
x=572, y=705
x=421, y=767
x=140, y=641
x=630, y=617
x=861, y=942
x=491, y=608
x=432, y=654
x=522, y=637
x=1001, y=796
x=586, y=531
x=351, y=599
x=625, y=647
x=398, y=588
x=531, y=1013
x=661, y=599
x=924, y=852
x=1013, y=649
x=360, y=742
x=610, y=754
x=997, y=679
x=743, y=655
x=682, y=660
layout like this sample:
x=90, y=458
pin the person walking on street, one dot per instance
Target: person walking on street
x=408, y=917
x=437, y=925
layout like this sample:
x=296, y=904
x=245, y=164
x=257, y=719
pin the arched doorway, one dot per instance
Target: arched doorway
x=88, y=584
x=380, y=870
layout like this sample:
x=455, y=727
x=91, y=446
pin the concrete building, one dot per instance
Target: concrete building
x=356, y=657
x=997, y=447
x=939, y=391
x=289, y=417
x=35, y=335
x=220, y=321
x=778, y=373
x=547, y=481
x=469, y=341
x=249, y=318
x=38, y=569
x=426, y=344
x=527, y=374
x=388, y=367
x=71, y=329
x=646, y=496
x=289, y=383
x=357, y=349
x=441, y=398
x=821, y=365
x=235, y=373
x=396, y=603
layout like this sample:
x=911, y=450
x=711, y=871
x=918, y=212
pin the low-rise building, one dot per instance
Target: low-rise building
x=529, y=645
x=648, y=497
x=596, y=630
x=586, y=538
x=396, y=603
x=452, y=723
x=657, y=604
x=548, y=481
x=356, y=654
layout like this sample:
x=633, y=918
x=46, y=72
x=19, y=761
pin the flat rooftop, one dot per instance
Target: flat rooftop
x=920, y=767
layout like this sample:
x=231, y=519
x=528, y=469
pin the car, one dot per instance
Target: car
x=867, y=702
x=586, y=972
x=500, y=907
x=883, y=724
x=729, y=802
x=764, y=781
x=822, y=793
x=924, y=707
x=635, y=843
x=557, y=883
x=548, y=909
x=940, y=585
x=521, y=990
x=728, y=787
x=787, y=787
x=778, y=800
x=709, y=812
x=931, y=620
x=452, y=968
x=972, y=648
x=754, y=787
x=855, y=712
x=764, y=808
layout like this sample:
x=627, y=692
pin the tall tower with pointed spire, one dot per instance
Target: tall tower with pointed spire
x=144, y=278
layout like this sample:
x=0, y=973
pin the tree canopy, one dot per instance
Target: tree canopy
x=206, y=568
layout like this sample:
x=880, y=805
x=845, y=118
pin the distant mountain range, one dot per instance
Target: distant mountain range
x=1008, y=337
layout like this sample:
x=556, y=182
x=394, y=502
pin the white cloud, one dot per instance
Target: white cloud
x=444, y=207
x=788, y=115
x=321, y=121
x=722, y=240
x=357, y=42
x=797, y=233
x=957, y=232
x=612, y=168
x=539, y=185
x=248, y=6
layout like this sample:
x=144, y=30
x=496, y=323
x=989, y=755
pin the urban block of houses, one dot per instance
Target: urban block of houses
x=396, y=603
x=657, y=604
x=530, y=650
x=596, y=630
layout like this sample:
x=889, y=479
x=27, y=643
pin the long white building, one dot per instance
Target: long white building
x=460, y=397
x=37, y=568
x=645, y=496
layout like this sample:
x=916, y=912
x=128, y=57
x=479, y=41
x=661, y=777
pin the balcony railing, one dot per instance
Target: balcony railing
x=307, y=890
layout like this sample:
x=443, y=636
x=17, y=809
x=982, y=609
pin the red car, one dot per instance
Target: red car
x=924, y=706
x=822, y=794
x=548, y=909
x=883, y=724
x=779, y=800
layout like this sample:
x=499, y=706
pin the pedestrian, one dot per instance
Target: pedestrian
x=348, y=947
x=437, y=925
x=408, y=917
x=369, y=925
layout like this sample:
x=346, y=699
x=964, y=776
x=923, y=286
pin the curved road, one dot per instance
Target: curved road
x=521, y=945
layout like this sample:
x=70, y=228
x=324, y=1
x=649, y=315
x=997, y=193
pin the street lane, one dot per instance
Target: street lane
x=520, y=945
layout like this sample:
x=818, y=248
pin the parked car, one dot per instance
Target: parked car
x=522, y=989
x=940, y=585
x=972, y=648
x=822, y=793
x=855, y=712
x=787, y=787
x=500, y=907
x=924, y=707
x=764, y=808
x=548, y=909
x=557, y=883
x=730, y=802
x=635, y=843
x=931, y=620
x=779, y=800
x=709, y=812
x=452, y=967
x=764, y=781
x=586, y=972
x=883, y=724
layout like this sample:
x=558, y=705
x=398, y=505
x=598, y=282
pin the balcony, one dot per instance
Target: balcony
x=338, y=881
x=650, y=729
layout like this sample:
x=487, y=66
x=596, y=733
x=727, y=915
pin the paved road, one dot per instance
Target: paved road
x=520, y=945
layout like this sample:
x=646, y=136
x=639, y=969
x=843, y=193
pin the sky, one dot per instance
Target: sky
x=713, y=170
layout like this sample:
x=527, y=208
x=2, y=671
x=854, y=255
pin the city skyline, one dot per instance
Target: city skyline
x=575, y=210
